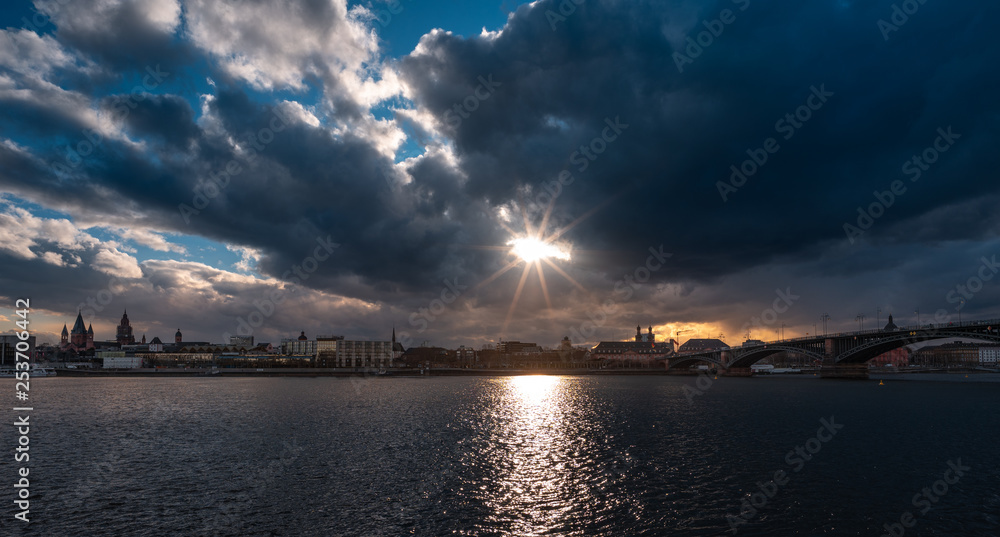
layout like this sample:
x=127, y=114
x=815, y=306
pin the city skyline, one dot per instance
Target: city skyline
x=459, y=173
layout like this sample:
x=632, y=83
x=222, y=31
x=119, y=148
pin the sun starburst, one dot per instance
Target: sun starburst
x=532, y=247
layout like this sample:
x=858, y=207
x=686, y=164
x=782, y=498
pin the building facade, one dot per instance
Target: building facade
x=352, y=353
x=957, y=354
x=8, y=349
x=124, y=335
x=644, y=349
x=302, y=346
x=989, y=355
x=80, y=339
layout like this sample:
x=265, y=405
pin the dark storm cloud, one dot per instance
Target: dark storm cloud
x=686, y=128
x=555, y=85
x=165, y=117
x=122, y=36
x=387, y=234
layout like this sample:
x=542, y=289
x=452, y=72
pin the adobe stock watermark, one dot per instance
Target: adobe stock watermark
x=218, y=180
x=900, y=15
x=926, y=499
x=384, y=16
x=624, y=289
x=122, y=106
x=962, y=293
x=461, y=110
x=582, y=157
x=566, y=9
x=702, y=384
x=787, y=126
x=40, y=20
x=260, y=480
x=422, y=318
x=101, y=299
x=713, y=30
x=106, y=470
x=769, y=316
x=914, y=167
x=297, y=274
x=796, y=460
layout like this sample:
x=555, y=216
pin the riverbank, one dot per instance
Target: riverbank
x=354, y=372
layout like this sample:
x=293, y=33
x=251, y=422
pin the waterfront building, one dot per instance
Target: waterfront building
x=8, y=349
x=516, y=347
x=80, y=339
x=119, y=360
x=957, y=354
x=353, y=353
x=432, y=356
x=326, y=350
x=124, y=335
x=300, y=346
x=242, y=341
x=897, y=357
x=643, y=349
x=465, y=356
x=989, y=355
x=708, y=344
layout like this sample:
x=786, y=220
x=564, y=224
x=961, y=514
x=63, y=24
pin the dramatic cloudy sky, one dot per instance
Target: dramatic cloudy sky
x=180, y=158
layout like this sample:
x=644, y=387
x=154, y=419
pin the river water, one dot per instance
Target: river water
x=518, y=456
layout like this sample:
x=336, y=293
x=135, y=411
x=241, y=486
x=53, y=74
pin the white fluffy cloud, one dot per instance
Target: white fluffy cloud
x=28, y=53
x=150, y=239
x=116, y=263
x=90, y=18
x=21, y=233
x=278, y=45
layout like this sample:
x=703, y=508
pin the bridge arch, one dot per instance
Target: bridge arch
x=863, y=353
x=687, y=361
x=753, y=355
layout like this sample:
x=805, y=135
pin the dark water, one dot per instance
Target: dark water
x=519, y=456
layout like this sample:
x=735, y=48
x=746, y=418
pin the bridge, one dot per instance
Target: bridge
x=840, y=355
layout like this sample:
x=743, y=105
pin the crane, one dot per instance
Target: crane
x=677, y=340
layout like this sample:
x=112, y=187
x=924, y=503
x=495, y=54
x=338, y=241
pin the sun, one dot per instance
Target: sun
x=531, y=249
x=535, y=246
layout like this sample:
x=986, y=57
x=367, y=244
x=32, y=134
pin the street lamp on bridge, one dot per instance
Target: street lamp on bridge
x=961, y=304
x=824, y=318
x=861, y=321
x=917, y=312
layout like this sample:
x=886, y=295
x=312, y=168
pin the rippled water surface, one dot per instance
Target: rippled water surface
x=518, y=456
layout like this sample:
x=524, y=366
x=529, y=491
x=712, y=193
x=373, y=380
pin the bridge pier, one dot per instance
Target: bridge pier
x=736, y=372
x=844, y=371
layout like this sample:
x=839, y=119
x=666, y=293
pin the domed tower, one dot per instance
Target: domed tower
x=177, y=336
x=302, y=336
x=124, y=335
x=638, y=333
